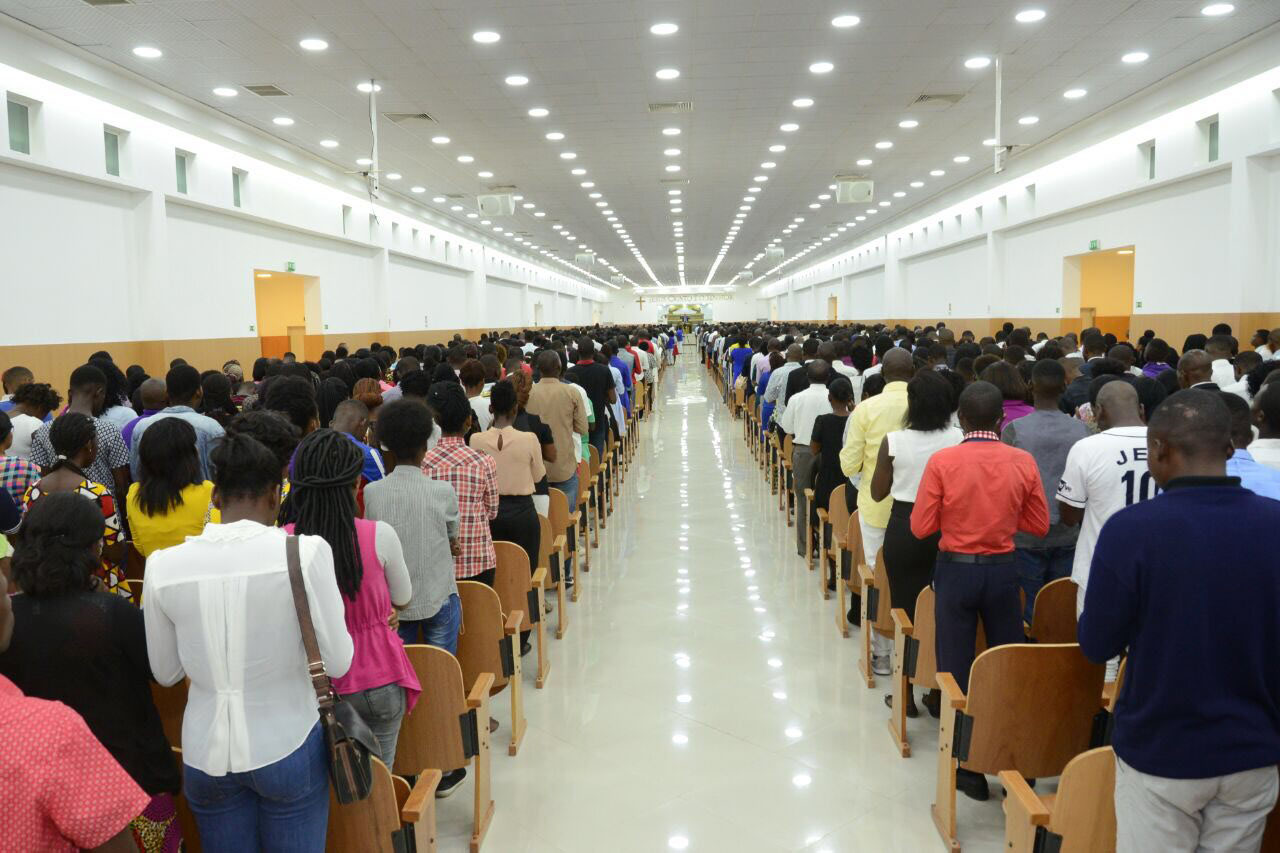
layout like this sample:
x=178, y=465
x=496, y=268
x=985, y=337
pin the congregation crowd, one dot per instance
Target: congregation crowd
x=986, y=468
x=396, y=471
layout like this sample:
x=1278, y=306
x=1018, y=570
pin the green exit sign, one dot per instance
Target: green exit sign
x=1094, y=245
x=290, y=266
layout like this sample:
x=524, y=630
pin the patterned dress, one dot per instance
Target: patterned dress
x=111, y=574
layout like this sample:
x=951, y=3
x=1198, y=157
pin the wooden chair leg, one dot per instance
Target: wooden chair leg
x=544, y=664
x=901, y=682
x=559, y=563
x=419, y=811
x=865, y=579
x=516, y=683
x=823, y=528
x=479, y=702
x=944, y=806
x=842, y=608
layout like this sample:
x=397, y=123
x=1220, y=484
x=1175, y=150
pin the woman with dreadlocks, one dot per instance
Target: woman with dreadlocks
x=372, y=576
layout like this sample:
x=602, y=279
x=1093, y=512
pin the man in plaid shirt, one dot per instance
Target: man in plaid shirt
x=473, y=475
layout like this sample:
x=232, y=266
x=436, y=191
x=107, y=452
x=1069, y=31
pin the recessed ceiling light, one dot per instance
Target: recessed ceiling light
x=821, y=67
x=466, y=158
x=664, y=29
x=485, y=36
x=225, y=92
x=899, y=194
x=885, y=203
x=845, y=21
x=1029, y=16
x=440, y=140
x=1135, y=57
x=568, y=155
x=555, y=136
x=671, y=131
x=595, y=195
x=539, y=112
x=938, y=173
x=884, y=145
x=1214, y=10
x=989, y=142
x=586, y=185
x=328, y=143
x=960, y=158
x=393, y=176
x=313, y=44
x=528, y=205
x=673, y=168
x=145, y=52
x=864, y=162
x=417, y=189
x=517, y=80
x=283, y=121
x=768, y=164
x=485, y=174
x=760, y=178
x=674, y=192
x=802, y=102
x=908, y=123
x=439, y=199
x=368, y=87
x=917, y=184
x=1072, y=94
x=578, y=171
x=1028, y=120
x=672, y=152
x=977, y=62
x=814, y=206
x=789, y=127
x=777, y=149
x=364, y=161
x=667, y=73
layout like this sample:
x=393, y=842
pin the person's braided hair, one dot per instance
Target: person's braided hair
x=68, y=434
x=323, y=503
x=56, y=552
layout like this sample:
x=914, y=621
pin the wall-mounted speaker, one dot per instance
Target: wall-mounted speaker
x=854, y=190
x=496, y=205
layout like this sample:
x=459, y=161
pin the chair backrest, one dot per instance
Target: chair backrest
x=853, y=540
x=171, y=704
x=558, y=511
x=513, y=579
x=479, y=641
x=366, y=824
x=924, y=629
x=1033, y=707
x=883, y=621
x=787, y=446
x=594, y=465
x=838, y=514
x=544, y=541
x=1084, y=812
x=430, y=734
x=584, y=481
x=1054, y=617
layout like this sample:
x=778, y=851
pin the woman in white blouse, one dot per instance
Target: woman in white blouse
x=909, y=561
x=219, y=610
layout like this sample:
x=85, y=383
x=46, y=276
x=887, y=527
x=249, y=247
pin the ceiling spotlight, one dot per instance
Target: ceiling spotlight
x=977, y=62
x=1214, y=10
x=595, y=195
x=667, y=73
x=671, y=131
x=393, y=176
x=1073, y=94
x=368, y=87
x=989, y=142
x=777, y=149
x=845, y=21
x=485, y=36
x=821, y=67
x=768, y=164
x=482, y=174
x=313, y=44
x=568, y=155
x=578, y=171
x=539, y=112
x=916, y=184
x=417, y=189
x=899, y=194
x=555, y=136
x=148, y=52
x=814, y=206
x=1028, y=120
x=789, y=127
x=884, y=145
x=802, y=102
x=664, y=29
x=439, y=199
x=1029, y=16
x=586, y=185
x=673, y=168
x=225, y=92
x=1135, y=57
x=864, y=162
x=283, y=121
x=960, y=158
x=440, y=140
x=466, y=158
x=938, y=173
x=674, y=192
x=760, y=178
x=517, y=80
x=672, y=152
x=908, y=123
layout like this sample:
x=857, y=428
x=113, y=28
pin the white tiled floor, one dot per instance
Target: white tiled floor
x=702, y=698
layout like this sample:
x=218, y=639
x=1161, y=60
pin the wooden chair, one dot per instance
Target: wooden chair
x=788, y=482
x=518, y=589
x=837, y=552
x=392, y=814
x=489, y=642
x=1030, y=709
x=1053, y=618
x=1080, y=818
x=562, y=553
x=582, y=520
x=873, y=583
x=171, y=704
x=448, y=729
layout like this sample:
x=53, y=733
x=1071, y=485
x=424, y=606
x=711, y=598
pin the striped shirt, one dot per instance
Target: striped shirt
x=112, y=453
x=474, y=477
x=424, y=514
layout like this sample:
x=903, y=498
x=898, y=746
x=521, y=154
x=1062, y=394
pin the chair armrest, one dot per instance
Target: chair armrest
x=557, y=544
x=901, y=621
x=866, y=574
x=951, y=692
x=573, y=517
x=1021, y=796
x=808, y=494
x=480, y=690
x=514, y=620
x=822, y=513
x=540, y=577
x=423, y=794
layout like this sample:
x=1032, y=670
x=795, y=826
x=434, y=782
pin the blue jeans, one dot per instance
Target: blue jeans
x=1039, y=566
x=282, y=807
x=570, y=489
x=440, y=630
x=382, y=709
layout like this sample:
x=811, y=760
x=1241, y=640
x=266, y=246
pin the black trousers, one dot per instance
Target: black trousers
x=963, y=593
x=517, y=521
x=908, y=561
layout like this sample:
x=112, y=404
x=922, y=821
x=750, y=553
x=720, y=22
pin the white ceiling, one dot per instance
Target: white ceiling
x=593, y=64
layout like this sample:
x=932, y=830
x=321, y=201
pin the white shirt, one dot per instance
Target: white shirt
x=1266, y=451
x=480, y=406
x=911, y=449
x=24, y=426
x=1241, y=389
x=802, y=410
x=851, y=373
x=1104, y=474
x=1223, y=373
x=219, y=610
x=586, y=407
x=1265, y=352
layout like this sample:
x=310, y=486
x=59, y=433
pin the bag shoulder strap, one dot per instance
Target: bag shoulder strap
x=315, y=663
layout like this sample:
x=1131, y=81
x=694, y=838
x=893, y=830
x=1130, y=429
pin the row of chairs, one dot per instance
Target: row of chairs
x=1033, y=710
x=448, y=729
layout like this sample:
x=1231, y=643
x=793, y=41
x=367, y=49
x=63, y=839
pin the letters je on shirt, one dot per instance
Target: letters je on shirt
x=1139, y=454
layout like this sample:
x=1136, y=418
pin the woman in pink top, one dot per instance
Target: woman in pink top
x=372, y=576
x=1012, y=387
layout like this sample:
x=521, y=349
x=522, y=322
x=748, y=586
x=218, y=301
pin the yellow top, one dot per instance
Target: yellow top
x=870, y=422
x=153, y=532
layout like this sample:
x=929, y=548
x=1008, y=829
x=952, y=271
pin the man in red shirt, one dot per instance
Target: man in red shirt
x=978, y=493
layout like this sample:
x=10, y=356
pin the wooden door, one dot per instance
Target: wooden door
x=298, y=341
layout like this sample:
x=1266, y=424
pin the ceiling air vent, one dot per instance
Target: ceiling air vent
x=108, y=2
x=409, y=118
x=672, y=107
x=267, y=91
x=935, y=100
x=454, y=195
x=674, y=182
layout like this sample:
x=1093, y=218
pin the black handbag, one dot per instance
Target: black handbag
x=348, y=739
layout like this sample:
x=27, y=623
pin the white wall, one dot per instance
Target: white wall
x=139, y=260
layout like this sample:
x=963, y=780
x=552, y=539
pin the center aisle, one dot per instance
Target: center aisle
x=702, y=698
